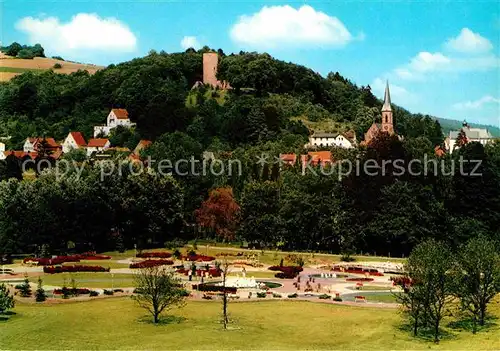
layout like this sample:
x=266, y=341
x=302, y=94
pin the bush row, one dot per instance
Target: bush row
x=215, y=288
x=286, y=272
x=358, y=270
x=163, y=254
x=197, y=257
x=45, y=261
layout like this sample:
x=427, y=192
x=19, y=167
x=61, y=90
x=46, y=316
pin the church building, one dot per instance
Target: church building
x=387, y=124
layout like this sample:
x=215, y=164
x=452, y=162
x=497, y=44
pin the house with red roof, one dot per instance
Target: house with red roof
x=32, y=144
x=116, y=117
x=143, y=144
x=74, y=140
x=97, y=145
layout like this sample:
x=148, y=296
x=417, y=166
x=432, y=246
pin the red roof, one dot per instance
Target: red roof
x=145, y=142
x=120, y=113
x=79, y=139
x=318, y=156
x=21, y=154
x=100, y=142
x=289, y=158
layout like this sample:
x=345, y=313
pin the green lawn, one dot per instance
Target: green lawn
x=17, y=69
x=118, y=323
x=89, y=280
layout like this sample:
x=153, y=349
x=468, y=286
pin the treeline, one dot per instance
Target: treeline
x=23, y=51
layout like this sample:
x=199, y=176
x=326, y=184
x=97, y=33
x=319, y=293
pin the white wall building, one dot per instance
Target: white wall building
x=2, y=150
x=479, y=135
x=117, y=117
x=97, y=145
x=74, y=140
x=331, y=140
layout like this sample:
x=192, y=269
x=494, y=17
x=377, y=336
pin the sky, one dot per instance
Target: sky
x=440, y=57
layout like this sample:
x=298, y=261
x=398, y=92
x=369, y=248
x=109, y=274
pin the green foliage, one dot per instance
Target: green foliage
x=6, y=299
x=40, y=295
x=25, y=288
x=57, y=65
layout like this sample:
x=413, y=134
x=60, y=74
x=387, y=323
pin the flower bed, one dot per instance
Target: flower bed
x=151, y=263
x=197, y=257
x=72, y=269
x=79, y=291
x=286, y=272
x=214, y=272
x=359, y=279
x=358, y=270
x=163, y=254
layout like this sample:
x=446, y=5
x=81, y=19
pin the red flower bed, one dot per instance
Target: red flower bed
x=359, y=279
x=79, y=291
x=155, y=255
x=358, y=270
x=286, y=272
x=151, y=263
x=198, y=258
x=76, y=268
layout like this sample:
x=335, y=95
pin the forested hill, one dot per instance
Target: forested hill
x=269, y=101
x=450, y=124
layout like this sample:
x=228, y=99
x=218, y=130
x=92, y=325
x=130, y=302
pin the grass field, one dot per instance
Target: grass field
x=118, y=323
x=88, y=280
x=17, y=69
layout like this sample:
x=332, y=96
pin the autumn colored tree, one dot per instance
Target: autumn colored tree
x=462, y=139
x=219, y=212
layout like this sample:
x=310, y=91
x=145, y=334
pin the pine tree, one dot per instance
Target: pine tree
x=6, y=300
x=40, y=293
x=25, y=288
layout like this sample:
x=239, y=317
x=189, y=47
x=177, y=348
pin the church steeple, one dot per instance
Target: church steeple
x=387, y=99
x=387, y=122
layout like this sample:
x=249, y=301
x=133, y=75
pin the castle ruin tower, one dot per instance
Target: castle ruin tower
x=387, y=121
x=210, y=61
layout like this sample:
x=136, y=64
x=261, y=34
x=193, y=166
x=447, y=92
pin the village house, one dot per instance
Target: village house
x=143, y=144
x=313, y=157
x=31, y=144
x=117, y=117
x=97, y=145
x=344, y=140
x=480, y=135
x=74, y=140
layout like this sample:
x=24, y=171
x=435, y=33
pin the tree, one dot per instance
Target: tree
x=219, y=212
x=428, y=285
x=158, y=290
x=25, y=288
x=6, y=300
x=461, y=139
x=225, y=300
x=40, y=293
x=13, y=49
x=477, y=277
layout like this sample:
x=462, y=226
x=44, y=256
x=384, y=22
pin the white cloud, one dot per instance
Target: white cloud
x=477, y=104
x=469, y=42
x=285, y=26
x=190, y=42
x=84, y=32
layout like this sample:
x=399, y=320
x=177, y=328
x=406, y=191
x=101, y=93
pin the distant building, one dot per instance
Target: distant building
x=314, y=157
x=482, y=136
x=117, y=117
x=143, y=144
x=97, y=145
x=74, y=140
x=345, y=140
x=210, y=64
x=387, y=124
x=32, y=144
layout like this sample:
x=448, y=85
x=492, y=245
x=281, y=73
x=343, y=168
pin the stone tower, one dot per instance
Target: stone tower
x=387, y=122
x=210, y=61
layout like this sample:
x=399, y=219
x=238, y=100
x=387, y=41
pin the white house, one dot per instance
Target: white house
x=346, y=140
x=29, y=144
x=74, y=140
x=479, y=135
x=97, y=145
x=117, y=117
x=2, y=150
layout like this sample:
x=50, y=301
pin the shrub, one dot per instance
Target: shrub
x=25, y=54
x=324, y=297
x=293, y=296
x=108, y=292
x=287, y=272
x=118, y=290
x=338, y=299
x=177, y=254
x=346, y=257
x=276, y=295
x=215, y=288
x=93, y=293
x=57, y=66
x=58, y=58
x=65, y=291
x=25, y=288
x=261, y=295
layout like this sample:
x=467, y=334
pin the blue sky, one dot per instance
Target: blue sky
x=440, y=57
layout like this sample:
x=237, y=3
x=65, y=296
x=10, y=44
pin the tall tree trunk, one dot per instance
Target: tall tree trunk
x=482, y=313
x=436, y=331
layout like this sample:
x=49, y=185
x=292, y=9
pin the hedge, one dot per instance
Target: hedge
x=72, y=269
x=151, y=263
